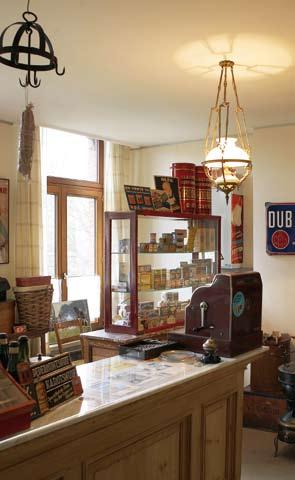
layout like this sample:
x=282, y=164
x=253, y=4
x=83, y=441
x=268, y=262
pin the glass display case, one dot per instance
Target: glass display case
x=154, y=261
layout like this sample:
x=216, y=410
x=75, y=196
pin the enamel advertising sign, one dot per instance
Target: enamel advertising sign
x=280, y=228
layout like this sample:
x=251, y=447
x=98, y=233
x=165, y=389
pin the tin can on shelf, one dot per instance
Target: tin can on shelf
x=203, y=192
x=185, y=172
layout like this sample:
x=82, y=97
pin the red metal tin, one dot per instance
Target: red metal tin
x=203, y=192
x=185, y=172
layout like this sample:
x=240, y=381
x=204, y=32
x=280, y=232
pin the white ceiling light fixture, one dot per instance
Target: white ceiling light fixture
x=227, y=163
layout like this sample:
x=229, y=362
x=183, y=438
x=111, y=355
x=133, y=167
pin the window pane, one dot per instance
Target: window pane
x=86, y=287
x=51, y=235
x=81, y=236
x=69, y=155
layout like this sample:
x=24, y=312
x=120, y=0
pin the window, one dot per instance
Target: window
x=74, y=217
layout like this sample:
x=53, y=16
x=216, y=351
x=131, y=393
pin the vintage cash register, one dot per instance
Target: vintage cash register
x=228, y=310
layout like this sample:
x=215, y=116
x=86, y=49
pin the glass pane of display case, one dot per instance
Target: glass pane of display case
x=154, y=262
x=175, y=256
x=120, y=272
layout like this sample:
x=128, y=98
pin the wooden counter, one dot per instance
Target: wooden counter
x=138, y=421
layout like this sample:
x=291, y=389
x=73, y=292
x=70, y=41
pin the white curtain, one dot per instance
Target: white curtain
x=29, y=232
x=119, y=171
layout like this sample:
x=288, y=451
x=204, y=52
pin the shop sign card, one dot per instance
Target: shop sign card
x=4, y=220
x=237, y=234
x=170, y=192
x=138, y=198
x=280, y=228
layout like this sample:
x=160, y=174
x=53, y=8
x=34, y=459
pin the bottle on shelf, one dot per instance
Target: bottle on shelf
x=13, y=350
x=4, y=349
x=23, y=364
x=23, y=353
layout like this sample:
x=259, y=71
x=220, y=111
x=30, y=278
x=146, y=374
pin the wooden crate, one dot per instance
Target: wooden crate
x=263, y=410
x=264, y=372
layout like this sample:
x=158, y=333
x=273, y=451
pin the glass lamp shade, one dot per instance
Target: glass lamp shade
x=227, y=165
x=227, y=149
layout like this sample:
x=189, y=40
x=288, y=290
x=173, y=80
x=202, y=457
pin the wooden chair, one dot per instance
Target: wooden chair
x=59, y=327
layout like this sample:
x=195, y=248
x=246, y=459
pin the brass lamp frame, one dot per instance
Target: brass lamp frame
x=218, y=128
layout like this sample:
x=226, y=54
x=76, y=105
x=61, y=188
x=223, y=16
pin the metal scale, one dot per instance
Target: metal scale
x=228, y=311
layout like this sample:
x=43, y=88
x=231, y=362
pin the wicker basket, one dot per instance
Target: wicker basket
x=34, y=306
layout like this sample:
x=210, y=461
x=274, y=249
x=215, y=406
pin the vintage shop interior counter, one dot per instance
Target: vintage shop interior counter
x=138, y=420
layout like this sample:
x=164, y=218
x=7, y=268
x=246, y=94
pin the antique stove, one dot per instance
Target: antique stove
x=286, y=431
x=229, y=311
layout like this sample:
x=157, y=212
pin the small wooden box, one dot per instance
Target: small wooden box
x=7, y=316
x=263, y=410
x=264, y=372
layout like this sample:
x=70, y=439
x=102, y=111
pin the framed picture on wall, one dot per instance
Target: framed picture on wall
x=4, y=220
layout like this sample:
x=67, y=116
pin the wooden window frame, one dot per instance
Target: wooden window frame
x=62, y=188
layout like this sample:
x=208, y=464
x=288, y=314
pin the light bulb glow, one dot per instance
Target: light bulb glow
x=229, y=177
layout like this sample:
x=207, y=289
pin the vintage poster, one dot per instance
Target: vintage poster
x=280, y=228
x=138, y=198
x=4, y=220
x=170, y=192
x=237, y=229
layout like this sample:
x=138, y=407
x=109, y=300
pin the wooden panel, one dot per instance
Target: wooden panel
x=214, y=438
x=218, y=439
x=160, y=456
x=98, y=353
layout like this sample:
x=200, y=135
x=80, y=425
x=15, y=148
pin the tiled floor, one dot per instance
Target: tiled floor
x=258, y=461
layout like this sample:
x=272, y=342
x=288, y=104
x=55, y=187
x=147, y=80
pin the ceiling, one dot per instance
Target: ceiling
x=145, y=72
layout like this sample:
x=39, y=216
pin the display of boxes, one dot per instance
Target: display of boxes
x=144, y=306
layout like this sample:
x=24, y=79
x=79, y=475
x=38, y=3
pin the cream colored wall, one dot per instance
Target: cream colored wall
x=157, y=160
x=274, y=181
x=8, y=149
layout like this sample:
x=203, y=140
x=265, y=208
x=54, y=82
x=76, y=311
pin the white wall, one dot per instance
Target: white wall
x=274, y=181
x=157, y=160
x=8, y=156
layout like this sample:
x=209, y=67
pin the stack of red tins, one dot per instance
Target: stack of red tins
x=203, y=192
x=194, y=188
x=185, y=172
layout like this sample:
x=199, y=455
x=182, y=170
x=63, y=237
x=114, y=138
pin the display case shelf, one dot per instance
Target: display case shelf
x=141, y=308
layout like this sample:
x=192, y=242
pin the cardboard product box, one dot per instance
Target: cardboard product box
x=144, y=268
x=145, y=281
x=180, y=232
x=163, y=314
x=153, y=319
x=164, y=278
x=167, y=236
x=140, y=322
x=171, y=297
x=171, y=318
x=183, y=264
x=208, y=264
x=153, y=237
x=144, y=306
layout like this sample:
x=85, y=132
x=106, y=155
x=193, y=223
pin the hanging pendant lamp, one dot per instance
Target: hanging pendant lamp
x=227, y=163
x=30, y=50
